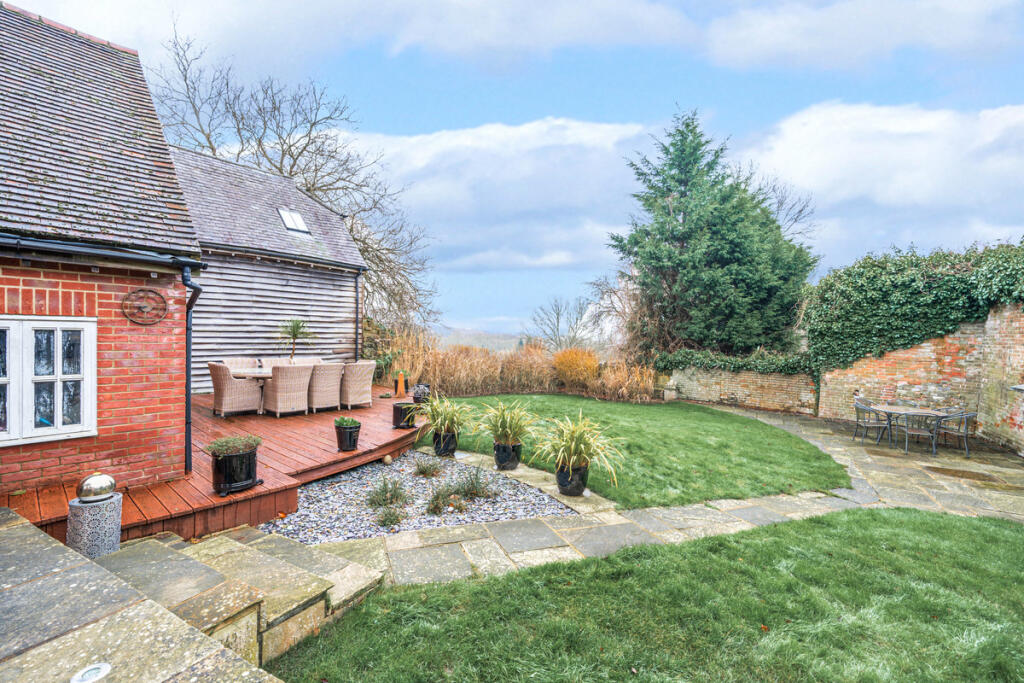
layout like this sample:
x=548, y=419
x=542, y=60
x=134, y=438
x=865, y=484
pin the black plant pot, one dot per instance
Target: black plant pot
x=403, y=415
x=348, y=437
x=572, y=483
x=445, y=444
x=236, y=472
x=420, y=393
x=506, y=456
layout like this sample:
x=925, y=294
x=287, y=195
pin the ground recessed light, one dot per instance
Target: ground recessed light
x=93, y=672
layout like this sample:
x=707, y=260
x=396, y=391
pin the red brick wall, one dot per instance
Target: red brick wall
x=140, y=376
x=1000, y=409
x=945, y=371
x=789, y=393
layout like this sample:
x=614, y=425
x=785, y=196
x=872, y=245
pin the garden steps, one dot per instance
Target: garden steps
x=64, y=612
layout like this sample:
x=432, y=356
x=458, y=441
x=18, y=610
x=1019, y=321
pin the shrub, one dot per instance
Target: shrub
x=576, y=369
x=527, y=370
x=507, y=424
x=427, y=467
x=463, y=371
x=625, y=382
x=765, y=363
x=345, y=422
x=390, y=516
x=387, y=493
x=472, y=485
x=446, y=417
x=233, y=445
x=576, y=443
x=443, y=497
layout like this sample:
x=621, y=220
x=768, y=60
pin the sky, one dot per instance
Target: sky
x=510, y=124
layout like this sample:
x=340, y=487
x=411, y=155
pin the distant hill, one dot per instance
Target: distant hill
x=495, y=341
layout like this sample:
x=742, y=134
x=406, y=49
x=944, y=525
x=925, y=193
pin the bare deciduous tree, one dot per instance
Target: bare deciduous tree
x=302, y=132
x=564, y=323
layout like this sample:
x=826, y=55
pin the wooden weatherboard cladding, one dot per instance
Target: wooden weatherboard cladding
x=245, y=299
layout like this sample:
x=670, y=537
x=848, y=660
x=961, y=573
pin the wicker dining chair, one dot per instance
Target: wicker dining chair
x=287, y=390
x=270, y=362
x=959, y=426
x=232, y=395
x=241, y=362
x=307, y=360
x=357, y=383
x=325, y=386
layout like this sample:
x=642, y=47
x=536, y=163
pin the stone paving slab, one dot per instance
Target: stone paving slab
x=759, y=515
x=452, y=534
x=26, y=553
x=46, y=608
x=605, y=540
x=430, y=564
x=688, y=516
x=520, y=535
x=487, y=557
x=222, y=666
x=217, y=605
x=169, y=645
x=9, y=518
x=369, y=552
x=161, y=573
x=535, y=558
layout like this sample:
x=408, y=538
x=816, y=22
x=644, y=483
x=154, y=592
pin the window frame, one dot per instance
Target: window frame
x=21, y=378
x=293, y=221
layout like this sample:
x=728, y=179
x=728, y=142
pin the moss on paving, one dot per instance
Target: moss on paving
x=680, y=453
x=859, y=595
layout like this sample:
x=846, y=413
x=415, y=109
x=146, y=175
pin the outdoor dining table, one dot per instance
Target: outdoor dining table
x=251, y=373
x=893, y=413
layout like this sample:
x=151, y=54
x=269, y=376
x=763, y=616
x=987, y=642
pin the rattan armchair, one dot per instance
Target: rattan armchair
x=325, y=386
x=287, y=390
x=232, y=395
x=357, y=383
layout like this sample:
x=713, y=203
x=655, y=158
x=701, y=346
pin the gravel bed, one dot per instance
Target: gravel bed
x=335, y=508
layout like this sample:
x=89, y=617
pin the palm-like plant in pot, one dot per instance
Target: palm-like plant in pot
x=508, y=425
x=573, y=446
x=447, y=419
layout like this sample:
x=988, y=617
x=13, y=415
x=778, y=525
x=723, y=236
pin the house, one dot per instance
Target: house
x=96, y=256
x=273, y=253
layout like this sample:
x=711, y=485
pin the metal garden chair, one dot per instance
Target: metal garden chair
x=918, y=425
x=959, y=426
x=868, y=418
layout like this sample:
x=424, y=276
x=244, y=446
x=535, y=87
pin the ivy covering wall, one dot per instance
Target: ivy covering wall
x=882, y=303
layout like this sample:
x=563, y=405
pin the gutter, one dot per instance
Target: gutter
x=20, y=244
x=195, y=291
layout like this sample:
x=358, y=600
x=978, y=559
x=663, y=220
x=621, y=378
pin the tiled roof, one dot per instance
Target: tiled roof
x=82, y=153
x=236, y=205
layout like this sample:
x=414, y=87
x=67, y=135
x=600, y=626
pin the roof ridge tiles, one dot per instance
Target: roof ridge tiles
x=67, y=29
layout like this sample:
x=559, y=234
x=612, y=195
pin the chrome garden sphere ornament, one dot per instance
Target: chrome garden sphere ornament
x=96, y=487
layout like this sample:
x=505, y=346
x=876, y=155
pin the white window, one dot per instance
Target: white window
x=293, y=220
x=47, y=378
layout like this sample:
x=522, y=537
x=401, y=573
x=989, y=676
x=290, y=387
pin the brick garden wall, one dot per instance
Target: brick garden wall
x=945, y=371
x=790, y=393
x=1000, y=410
x=140, y=376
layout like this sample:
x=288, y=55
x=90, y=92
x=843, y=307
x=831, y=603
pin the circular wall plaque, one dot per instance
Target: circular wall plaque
x=144, y=306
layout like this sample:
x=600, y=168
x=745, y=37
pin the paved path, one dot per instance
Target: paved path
x=988, y=484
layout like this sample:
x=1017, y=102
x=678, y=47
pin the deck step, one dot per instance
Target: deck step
x=294, y=600
x=225, y=609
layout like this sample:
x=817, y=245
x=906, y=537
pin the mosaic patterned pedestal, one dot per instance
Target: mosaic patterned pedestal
x=94, y=529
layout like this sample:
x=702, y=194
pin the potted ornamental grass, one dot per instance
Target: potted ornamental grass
x=447, y=419
x=347, y=431
x=508, y=425
x=234, y=463
x=573, y=446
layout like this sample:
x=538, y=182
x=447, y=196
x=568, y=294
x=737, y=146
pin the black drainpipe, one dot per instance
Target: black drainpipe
x=359, y=323
x=196, y=290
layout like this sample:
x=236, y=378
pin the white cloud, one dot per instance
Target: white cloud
x=900, y=156
x=852, y=32
x=543, y=194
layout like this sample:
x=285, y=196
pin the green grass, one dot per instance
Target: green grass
x=680, y=453
x=860, y=595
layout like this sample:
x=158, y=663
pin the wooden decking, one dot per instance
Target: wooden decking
x=295, y=450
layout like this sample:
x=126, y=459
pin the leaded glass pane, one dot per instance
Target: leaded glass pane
x=71, y=407
x=3, y=407
x=71, y=352
x=43, y=352
x=44, y=404
x=3, y=353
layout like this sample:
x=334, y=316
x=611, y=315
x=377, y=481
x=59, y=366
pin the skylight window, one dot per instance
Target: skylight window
x=293, y=220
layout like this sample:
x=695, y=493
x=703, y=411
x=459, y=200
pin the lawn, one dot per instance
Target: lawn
x=861, y=595
x=857, y=595
x=680, y=453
